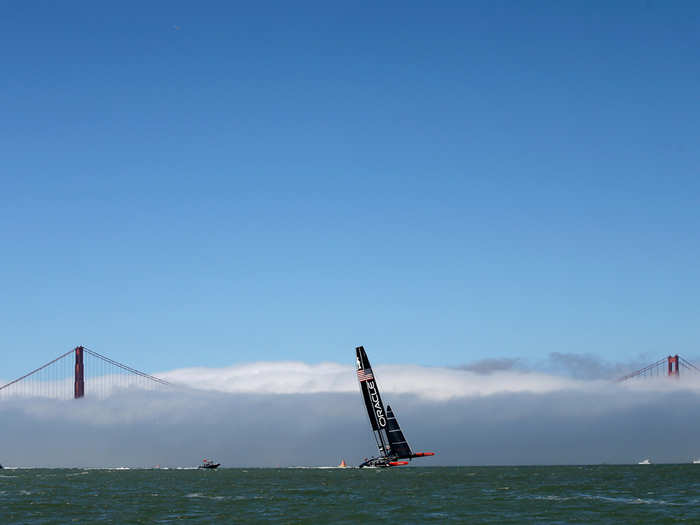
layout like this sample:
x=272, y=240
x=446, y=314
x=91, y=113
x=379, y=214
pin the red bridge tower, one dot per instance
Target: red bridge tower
x=79, y=390
x=673, y=371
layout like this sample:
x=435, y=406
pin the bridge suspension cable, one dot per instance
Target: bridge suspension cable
x=36, y=370
x=127, y=368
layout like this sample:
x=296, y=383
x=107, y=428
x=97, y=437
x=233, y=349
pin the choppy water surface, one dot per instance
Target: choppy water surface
x=593, y=494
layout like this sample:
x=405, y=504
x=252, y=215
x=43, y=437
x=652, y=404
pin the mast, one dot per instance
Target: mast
x=373, y=401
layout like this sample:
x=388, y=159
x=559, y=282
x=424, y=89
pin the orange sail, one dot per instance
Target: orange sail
x=342, y=464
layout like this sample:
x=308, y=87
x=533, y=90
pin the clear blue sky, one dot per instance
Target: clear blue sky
x=207, y=183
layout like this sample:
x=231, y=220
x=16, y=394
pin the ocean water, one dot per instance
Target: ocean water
x=573, y=494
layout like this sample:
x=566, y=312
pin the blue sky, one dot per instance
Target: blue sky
x=216, y=183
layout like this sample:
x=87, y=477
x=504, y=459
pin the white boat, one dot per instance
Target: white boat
x=696, y=461
x=645, y=462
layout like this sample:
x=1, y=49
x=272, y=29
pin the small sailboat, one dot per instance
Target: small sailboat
x=342, y=464
x=393, y=447
x=645, y=462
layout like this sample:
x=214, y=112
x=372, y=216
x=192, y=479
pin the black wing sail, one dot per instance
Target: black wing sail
x=397, y=442
x=373, y=401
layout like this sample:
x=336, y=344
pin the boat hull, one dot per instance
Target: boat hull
x=379, y=462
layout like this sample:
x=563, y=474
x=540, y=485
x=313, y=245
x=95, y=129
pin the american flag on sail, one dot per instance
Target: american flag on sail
x=365, y=375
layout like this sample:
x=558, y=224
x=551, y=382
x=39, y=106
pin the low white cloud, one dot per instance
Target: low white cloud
x=426, y=382
x=429, y=383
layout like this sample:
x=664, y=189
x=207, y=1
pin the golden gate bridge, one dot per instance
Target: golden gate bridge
x=66, y=377
x=670, y=366
x=81, y=371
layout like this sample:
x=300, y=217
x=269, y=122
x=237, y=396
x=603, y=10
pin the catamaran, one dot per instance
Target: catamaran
x=393, y=448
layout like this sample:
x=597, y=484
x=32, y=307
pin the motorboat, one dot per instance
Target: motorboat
x=209, y=464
